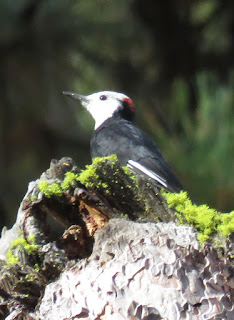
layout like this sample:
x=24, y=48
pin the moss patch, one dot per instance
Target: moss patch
x=70, y=181
x=106, y=171
x=106, y=177
x=129, y=173
x=49, y=190
x=56, y=189
x=206, y=220
x=90, y=177
x=21, y=244
x=102, y=174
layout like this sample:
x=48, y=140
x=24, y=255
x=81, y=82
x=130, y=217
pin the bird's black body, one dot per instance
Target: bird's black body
x=121, y=137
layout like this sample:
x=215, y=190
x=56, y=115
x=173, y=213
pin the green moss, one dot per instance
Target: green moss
x=56, y=189
x=129, y=173
x=112, y=160
x=86, y=176
x=206, y=220
x=226, y=225
x=124, y=216
x=28, y=246
x=69, y=181
x=49, y=190
x=31, y=277
x=11, y=258
x=33, y=197
x=89, y=176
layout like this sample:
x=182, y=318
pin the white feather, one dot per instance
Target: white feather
x=101, y=110
x=133, y=164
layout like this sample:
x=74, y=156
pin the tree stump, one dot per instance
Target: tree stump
x=103, y=244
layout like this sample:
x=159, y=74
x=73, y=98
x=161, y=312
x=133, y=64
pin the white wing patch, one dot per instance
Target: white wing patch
x=133, y=164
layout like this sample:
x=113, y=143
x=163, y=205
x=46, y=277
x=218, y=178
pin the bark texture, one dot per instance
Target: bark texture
x=142, y=271
x=72, y=255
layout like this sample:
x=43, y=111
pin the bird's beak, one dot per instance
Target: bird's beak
x=76, y=96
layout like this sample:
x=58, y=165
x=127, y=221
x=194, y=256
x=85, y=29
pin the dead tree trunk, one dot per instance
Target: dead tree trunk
x=103, y=245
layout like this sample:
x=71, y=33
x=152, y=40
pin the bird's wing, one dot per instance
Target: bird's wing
x=134, y=165
x=135, y=148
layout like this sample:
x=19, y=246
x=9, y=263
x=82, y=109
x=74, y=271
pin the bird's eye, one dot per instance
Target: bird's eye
x=103, y=97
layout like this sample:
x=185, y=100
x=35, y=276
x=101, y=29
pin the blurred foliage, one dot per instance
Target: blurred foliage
x=173, y=57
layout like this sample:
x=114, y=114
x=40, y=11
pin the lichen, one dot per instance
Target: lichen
x=205, y=219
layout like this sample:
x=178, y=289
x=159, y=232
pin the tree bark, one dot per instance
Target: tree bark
x=109, y=248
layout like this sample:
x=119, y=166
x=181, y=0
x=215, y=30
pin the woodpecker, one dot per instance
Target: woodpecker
x=115, y=133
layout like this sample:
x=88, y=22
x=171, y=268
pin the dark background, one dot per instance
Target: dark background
x=175, y=59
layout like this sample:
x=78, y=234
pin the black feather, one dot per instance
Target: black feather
x=121, y=137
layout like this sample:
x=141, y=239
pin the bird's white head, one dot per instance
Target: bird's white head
x=106, y=104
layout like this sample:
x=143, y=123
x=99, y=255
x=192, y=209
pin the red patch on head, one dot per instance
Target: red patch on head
x=130, y=103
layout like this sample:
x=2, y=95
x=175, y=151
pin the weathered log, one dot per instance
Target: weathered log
x=73, y=252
